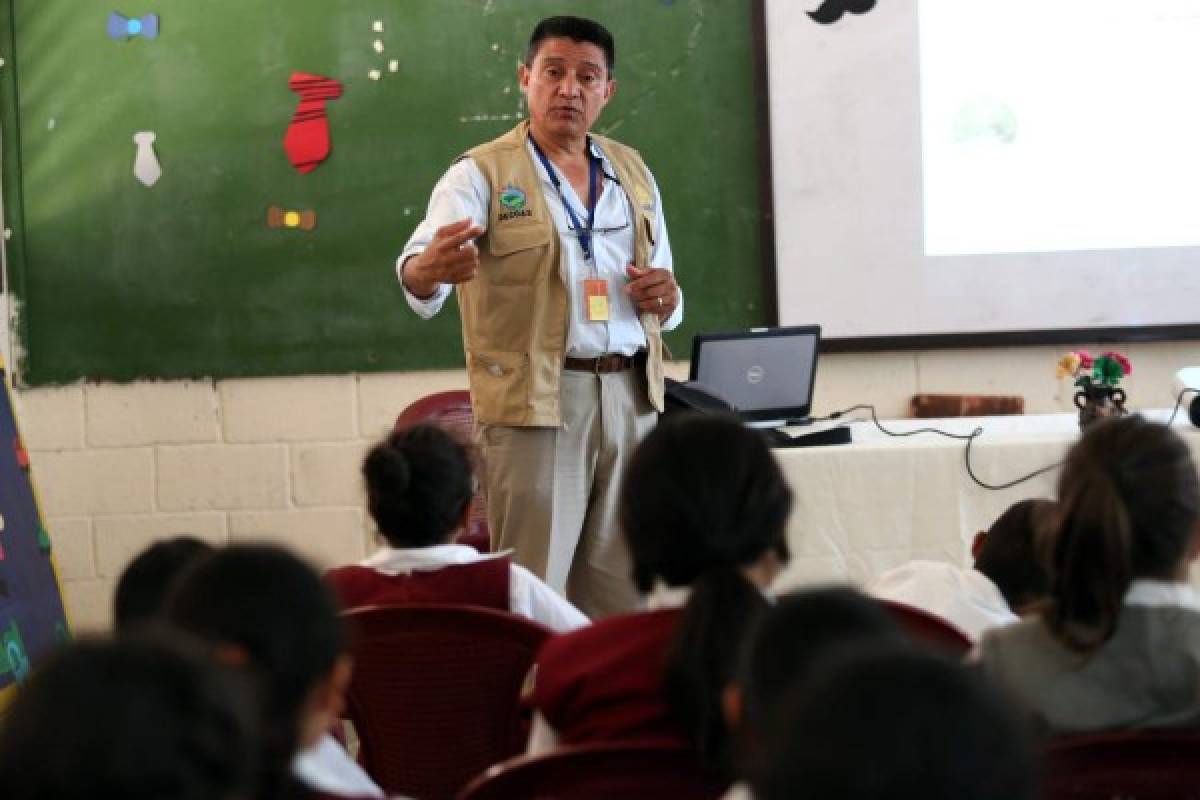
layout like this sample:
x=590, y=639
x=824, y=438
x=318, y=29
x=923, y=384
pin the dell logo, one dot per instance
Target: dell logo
x=754, y=374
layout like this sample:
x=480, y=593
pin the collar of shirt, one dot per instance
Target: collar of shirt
x=606, y=167
x=921, y=582
x=325, y=767
x=399, y=561
x=607, y=175
x=1159, y=594
x=665, y=597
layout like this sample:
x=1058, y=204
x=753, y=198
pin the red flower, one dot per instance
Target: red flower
x=1085, y=359
x=1126, y=367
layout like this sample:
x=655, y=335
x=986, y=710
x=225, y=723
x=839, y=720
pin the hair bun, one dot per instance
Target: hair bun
x=389, y=469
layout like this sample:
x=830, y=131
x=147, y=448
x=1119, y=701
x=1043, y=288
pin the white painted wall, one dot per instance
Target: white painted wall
x=118, y=466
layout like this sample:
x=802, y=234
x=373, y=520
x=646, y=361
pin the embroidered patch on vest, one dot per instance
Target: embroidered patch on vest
x=513, y=199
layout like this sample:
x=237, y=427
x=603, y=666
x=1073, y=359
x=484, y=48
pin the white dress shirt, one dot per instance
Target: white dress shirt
x=965, y=598
x=1162, y=594
x=528, y=596
x=738, y=791
x=464, y=192
x=327, y=767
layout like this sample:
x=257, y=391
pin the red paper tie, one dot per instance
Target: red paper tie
x=307, y=139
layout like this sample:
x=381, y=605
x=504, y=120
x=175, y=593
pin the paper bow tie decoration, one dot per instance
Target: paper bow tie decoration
x=123, y=27
x=279, y=218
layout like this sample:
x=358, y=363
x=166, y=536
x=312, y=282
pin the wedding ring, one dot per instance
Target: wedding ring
x=660, y=302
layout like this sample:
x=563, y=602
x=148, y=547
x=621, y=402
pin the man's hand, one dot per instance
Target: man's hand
x=450, y=258
x=652, y=289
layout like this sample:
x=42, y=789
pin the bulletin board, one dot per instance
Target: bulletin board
x=32, y=618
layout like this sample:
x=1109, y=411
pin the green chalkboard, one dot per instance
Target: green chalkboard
x=118, y=281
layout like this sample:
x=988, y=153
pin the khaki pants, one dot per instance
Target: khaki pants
x=552, y=492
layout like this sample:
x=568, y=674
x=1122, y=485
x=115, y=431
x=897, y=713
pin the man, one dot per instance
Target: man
x=1007, y=582
x=563, y=300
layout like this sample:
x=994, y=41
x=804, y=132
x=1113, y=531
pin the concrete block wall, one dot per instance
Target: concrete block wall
x=118, y=466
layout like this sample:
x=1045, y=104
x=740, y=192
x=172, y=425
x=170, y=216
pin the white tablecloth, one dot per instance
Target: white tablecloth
x=873, y=504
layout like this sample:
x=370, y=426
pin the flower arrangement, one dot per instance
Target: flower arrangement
x=1106, y=370
x=1097, y=379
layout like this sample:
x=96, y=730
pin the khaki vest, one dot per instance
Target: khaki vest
x=514, y=311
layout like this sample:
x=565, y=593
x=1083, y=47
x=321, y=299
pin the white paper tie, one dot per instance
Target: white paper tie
x=145, y=165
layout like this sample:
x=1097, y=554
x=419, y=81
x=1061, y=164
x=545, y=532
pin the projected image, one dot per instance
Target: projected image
x=1057, y=125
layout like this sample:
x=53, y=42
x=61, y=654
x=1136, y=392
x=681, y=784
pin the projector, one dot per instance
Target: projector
x=1189, y=378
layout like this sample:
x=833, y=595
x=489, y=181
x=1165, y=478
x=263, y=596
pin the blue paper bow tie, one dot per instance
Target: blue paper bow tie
x=123, y=27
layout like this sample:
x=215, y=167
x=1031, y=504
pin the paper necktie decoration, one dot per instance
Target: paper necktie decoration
x=145, y=164
x=307, y=138
x=123, y=27
x=279, y=218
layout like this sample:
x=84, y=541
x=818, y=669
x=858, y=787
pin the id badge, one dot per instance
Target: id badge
x=595, y=299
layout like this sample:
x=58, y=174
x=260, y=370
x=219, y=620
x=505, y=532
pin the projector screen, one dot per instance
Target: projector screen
x=982, y=166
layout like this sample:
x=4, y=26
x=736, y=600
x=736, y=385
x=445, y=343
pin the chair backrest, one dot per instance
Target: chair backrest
x=435, y=697
x=1131, y=765
x=928, y=628
x=630, y=771
x=452, y=410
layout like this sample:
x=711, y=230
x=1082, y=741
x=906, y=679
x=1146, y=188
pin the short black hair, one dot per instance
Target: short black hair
x=794, y=634
x=577, y=29
x=873, y=722
x=143, y=717
x=1009, y=555
x=143, y=587
x=272, y=605
x=419, y=485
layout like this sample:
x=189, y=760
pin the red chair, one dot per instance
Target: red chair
x=630, y=771
x=436, y=693
x=1130, y=765
x=929, y=628
x=452, y=411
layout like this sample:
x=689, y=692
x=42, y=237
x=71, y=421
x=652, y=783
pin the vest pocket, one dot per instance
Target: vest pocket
x=499, y=385
x=516, y=252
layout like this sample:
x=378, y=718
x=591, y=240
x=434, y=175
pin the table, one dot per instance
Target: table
x=880, y=501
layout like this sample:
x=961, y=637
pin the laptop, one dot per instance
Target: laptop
x=765, y=374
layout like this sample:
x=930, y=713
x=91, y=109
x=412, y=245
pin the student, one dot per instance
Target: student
x=419, y=488
x=1006, y=582
x=143, y=586
x=790, y=637
x=1118, y=643
x=876, y=722
x=264, y=608
x=704, y=505
x=140, y=718
x=141, y=599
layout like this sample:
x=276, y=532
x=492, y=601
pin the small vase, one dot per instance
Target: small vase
x=1097, y=402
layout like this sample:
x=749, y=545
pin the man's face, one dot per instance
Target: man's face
x=566, y=87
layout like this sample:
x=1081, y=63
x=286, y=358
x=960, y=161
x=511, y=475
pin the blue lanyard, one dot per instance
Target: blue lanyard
x=585, y=234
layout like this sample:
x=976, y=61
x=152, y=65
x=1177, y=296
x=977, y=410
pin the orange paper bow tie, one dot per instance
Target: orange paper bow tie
x=279, y=218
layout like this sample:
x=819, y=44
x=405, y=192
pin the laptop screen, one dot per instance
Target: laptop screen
x=764, y=373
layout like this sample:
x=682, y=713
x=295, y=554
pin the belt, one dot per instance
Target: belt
x=612, y=362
